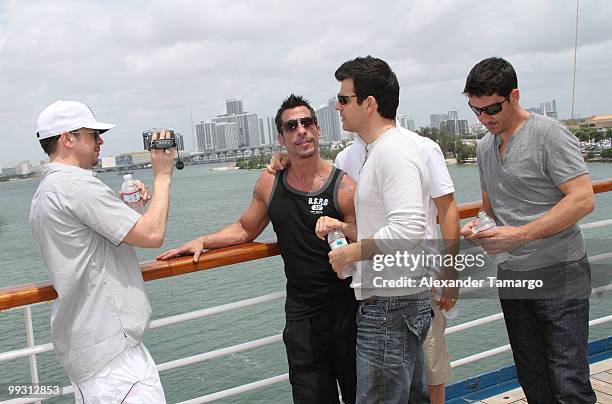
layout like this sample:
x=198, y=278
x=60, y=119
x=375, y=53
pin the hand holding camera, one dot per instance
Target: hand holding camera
x=166, y=141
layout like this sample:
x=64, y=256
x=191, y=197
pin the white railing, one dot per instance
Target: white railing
x=32, y=350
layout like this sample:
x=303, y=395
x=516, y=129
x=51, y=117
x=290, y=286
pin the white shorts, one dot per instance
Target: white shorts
x=435, y=350
x=131, y=377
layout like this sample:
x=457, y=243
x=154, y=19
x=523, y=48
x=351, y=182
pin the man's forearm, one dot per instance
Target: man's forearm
x=564, y=214
x=232, y=234
x=449, y=228
x=151, y=228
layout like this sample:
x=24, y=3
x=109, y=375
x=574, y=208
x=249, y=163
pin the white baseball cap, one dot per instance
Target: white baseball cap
x=66, y=116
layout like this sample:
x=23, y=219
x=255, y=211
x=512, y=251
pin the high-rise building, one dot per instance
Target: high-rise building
x=453, y=115
x=247, y=123
x=205, y=135
x=178, y=138
x=406, y=121
x=262, y=132
x=272, y=131
x=226, y=135
x=456, y=127
x=17, y=168
x=548, y=108
x=329, y=121
x=437, y=119
x=234, y=106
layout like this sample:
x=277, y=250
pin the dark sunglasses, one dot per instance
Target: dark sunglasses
x=344, y=99
x=489, y=109
x=292, y=124
x=95, y=133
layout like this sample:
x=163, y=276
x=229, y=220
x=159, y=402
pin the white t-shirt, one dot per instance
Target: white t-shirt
x=351, y=159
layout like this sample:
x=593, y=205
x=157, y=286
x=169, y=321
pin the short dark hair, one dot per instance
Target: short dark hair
x=372, y=76
x=49, y=145
x=293, y=101
x=491, y=76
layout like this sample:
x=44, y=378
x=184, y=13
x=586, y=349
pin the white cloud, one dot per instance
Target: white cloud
x=152, y=63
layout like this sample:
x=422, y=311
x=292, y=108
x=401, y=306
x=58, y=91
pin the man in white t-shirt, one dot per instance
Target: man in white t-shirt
x=437, y=361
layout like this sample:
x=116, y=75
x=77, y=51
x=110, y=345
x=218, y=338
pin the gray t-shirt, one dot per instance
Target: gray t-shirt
x=524, y=185
x=79, y=224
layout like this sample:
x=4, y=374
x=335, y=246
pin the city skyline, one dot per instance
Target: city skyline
x=160, y=63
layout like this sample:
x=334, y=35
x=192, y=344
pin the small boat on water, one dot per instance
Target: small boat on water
x=225, y=168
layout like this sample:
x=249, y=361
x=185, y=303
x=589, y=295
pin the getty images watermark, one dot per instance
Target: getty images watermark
x=407, y=269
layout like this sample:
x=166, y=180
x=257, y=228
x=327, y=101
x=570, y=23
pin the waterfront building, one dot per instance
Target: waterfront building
x=456, y=127
x=109, y=162
x=178, y=138
x=247, y=123
x=205, y=135
x=595, y=122
x=272, y=131
x=234, y=106
x=548, y=108
x=436, y=119
x=226, y=135
x=143, y=157
x=406, y=121
x=17, y=168
x=329, y=121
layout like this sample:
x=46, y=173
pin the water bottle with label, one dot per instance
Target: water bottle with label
x=335, y=239
x=131, y=194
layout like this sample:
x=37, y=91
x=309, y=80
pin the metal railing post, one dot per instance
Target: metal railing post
x=30, y=341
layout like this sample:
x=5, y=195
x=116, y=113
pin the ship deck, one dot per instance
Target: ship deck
x=501, y=386
x=601, y=380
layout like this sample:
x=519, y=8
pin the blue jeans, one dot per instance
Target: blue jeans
x=549, y=337
x=390, y=333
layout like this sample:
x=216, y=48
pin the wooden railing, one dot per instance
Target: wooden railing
x=31, y=293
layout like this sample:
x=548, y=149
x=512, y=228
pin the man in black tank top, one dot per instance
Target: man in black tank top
x=320, y=309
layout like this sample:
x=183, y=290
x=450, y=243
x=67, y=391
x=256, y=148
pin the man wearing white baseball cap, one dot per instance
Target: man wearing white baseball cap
x=87, y=236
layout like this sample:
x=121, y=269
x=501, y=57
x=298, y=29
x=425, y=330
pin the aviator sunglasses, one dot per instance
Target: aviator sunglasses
x=344, y=99
x=292, y=124
x=489, y=109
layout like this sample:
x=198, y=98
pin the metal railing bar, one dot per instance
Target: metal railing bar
x=595, y=225
x=505, y=348
x=600, y=257
x=19, y=353
x=215, y=310
x=238, y=390
x=219, y=352
x=480, y=355
x=600, y=320
x=473, y=323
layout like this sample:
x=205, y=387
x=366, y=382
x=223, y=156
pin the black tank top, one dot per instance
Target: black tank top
x=312, y=285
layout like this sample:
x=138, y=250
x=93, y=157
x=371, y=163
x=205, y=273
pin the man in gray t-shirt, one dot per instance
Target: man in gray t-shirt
x=86, y=236
x=536, y=186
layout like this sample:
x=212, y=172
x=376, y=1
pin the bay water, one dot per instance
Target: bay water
x=203, y=201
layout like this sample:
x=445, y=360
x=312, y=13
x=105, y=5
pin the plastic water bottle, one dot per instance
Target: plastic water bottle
x=131, y=194
x=449, y=314
x=335, y=239
x=485, y=222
